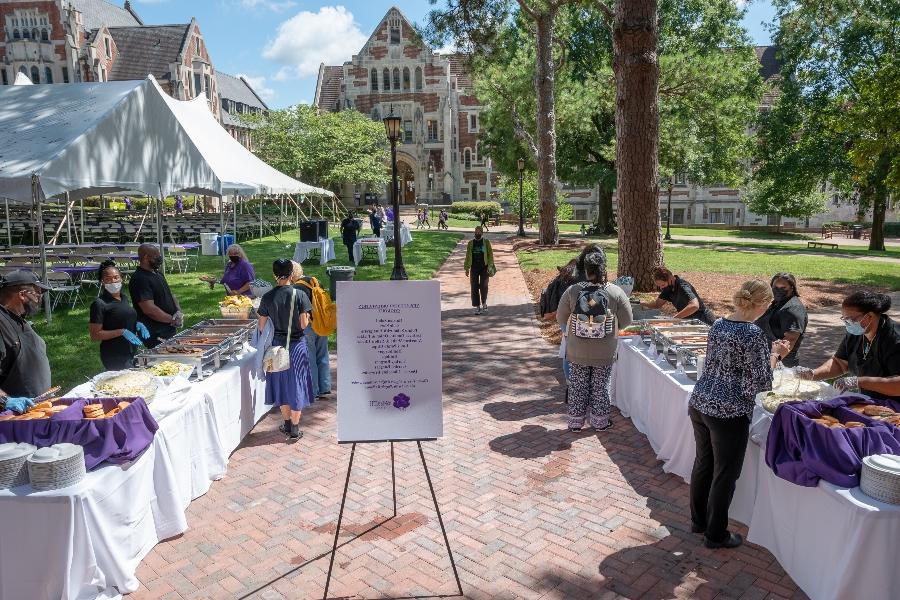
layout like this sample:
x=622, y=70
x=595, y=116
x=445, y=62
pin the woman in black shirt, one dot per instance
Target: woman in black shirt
x=291, y=390
x=868, y=358
x=786, y=318
x=113, y=321
x=681, y=294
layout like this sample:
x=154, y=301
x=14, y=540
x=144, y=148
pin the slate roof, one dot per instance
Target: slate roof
x=147, y=49
x=96, y=13
x=328, y=87
x=238, y=90
x=459, y=68
x=769, y=66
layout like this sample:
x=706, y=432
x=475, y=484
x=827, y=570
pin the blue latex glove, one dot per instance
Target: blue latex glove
x=19, y=405
x=142, y=331
x=132, y=338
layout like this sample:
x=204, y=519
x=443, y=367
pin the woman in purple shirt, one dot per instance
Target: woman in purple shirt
x=239, y=274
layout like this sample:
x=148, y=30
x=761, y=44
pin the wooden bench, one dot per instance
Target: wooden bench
x=812, y=244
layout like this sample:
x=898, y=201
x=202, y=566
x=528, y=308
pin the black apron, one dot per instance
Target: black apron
x=30, y=372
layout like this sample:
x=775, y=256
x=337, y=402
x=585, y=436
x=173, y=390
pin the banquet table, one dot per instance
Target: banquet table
x=387, y=234
x=806, y=528
x=86, y=541
x=373, y=243
x=324, y=247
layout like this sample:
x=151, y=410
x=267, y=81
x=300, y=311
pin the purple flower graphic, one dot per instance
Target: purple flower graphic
x=401, y=401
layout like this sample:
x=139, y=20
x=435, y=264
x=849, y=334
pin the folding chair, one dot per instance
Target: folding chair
x=62, y=286
x=177, y=257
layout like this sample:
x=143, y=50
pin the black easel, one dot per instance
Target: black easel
x=337, y=530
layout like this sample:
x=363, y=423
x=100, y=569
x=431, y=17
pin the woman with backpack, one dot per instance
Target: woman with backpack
x=591, y=312
x=316, y=345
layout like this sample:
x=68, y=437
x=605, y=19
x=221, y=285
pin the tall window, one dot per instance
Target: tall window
x=394, y=26
x=473, y=122
x=26, y=34
x=374, y=80
x=386, y=80
x=198, y=82
x=418, y=78
x=467, y=158
x=48, y=75
x=44, y=36
x=406, y=83
x=407, y=132
x=65, y=74
x=474, y=185
x=4, y=76
x=396, y=80
x=35, y=75
x=106, y=45
x=35, y=35
x=432, y=131
x=16, y=34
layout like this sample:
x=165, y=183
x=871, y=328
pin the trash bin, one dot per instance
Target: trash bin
x=223, y=243
x=856, y=231
x=208, y=245
x=336, y=274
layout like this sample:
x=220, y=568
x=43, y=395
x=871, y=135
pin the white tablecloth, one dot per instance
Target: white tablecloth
x=370, y=242
x=835, y=543
x=387, y=233
x=325, y=248
x=87, y=540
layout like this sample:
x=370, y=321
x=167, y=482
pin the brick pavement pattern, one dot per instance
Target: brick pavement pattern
x=532, y=511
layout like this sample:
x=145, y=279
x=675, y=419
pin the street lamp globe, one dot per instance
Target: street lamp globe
x=521, y=163
x=392, y=125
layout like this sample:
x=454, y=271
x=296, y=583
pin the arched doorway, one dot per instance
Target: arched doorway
x=406, y=181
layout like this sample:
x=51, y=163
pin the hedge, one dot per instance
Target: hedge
x=476, y=208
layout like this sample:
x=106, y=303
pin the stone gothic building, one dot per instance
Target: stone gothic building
x=438, y=158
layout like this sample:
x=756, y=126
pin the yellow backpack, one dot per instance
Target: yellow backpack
x=324, y=311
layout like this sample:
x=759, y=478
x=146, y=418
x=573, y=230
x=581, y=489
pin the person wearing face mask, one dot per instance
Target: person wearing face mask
x=24, y=366
x=786, y=318
x=739, y=363
x=868, y=358
x=681, y=294
x=480, y=262
x=239, y=274
x=113, y=321
x=156, y=307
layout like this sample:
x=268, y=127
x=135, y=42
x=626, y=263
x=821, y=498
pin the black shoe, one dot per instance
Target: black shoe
x=604, y=427
x=295, y=434
x=732, y=541
x=285, y=428
x=566, y=401
x=697, y=528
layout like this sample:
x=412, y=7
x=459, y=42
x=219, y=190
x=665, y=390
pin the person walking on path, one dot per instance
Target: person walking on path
x=591, y=312
x=739, y=363
x=291, y=389
x=480, y=268
x=349, y=230
x=442, y=219
x=316, y=345
x=375, y=222
x=425, y=221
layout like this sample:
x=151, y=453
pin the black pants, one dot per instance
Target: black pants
x=350, y=249
x=721, y=444
x=478, y=280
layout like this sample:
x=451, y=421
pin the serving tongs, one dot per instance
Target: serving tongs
x=47, y=395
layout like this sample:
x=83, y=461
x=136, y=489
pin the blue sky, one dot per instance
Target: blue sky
x=278, y=44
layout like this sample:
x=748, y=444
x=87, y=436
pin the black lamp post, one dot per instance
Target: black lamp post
x=521, y=165
x=392, y=125
x=669, y=210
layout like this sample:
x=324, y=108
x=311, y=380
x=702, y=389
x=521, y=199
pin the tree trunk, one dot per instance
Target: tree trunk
x=546, y=128
x=606, y=221
x=635, y=35
x=879, y=210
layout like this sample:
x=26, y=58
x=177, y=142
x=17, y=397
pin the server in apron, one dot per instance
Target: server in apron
x=24, y=366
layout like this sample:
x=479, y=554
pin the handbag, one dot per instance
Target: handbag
x=278, y=358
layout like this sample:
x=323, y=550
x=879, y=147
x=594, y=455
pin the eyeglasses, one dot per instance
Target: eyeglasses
x=848, y=320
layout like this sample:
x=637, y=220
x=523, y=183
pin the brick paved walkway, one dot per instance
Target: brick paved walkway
x=532, y=510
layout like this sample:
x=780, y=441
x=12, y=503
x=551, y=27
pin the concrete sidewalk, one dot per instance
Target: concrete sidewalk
x=532, y=510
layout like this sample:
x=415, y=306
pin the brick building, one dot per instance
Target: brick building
x=238, y=99
x=438, y=158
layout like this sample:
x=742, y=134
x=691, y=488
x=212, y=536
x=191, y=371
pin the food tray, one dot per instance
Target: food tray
x=181, y=369
x=147, y=393
x=880, y=478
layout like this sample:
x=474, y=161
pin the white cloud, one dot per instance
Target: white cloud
x=259, y=86
x=308, y=39
x=273, y=5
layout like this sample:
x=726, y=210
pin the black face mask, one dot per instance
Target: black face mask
x=780, y=294
x=234, y=259
x=156, y=262
x=477, y=237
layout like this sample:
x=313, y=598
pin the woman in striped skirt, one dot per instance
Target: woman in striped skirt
x=288, y=309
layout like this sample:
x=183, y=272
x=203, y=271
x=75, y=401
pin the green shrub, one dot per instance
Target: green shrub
x=476, y=208
x=892, y=229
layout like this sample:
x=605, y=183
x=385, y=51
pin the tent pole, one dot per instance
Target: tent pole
x=68, y=219
x=281, y=215
x=234, y=209
x=260, y=220
x=8, y=230
x=222, y=227
x=159, y=224
x=36, y=203
x=81, y=208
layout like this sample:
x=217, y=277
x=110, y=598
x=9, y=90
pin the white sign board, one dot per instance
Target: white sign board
x=389, y=360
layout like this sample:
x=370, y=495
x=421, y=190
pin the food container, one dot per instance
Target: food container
x=125, y=384
x=232, y=313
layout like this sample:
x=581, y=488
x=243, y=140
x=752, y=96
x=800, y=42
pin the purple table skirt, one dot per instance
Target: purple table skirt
x=118, y=439
x=802, y=451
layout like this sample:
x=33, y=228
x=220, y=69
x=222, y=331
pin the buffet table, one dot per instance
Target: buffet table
x=86, y=541
x=834, y=542
x=324, y=246
x=387, y=234
x=371, y=243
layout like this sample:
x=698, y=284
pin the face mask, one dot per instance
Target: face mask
x=780, y=294
x=156, y=262
x=477, y=236
x=855, y=328
x=234, y=259
x=113, y=288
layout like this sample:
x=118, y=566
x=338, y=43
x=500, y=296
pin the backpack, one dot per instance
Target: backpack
x=324, y=311
x=591, y=317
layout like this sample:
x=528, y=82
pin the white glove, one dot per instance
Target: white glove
x=178, y=317
x=849, y=383
x=804, y=373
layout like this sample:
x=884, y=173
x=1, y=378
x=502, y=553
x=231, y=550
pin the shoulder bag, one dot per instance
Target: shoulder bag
x=278, y=358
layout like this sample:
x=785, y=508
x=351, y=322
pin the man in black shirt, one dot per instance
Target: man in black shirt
x=349, y=230
x=24, y=366
x=156, y=307
x=681, y=294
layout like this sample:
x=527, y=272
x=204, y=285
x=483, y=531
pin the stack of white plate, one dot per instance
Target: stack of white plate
x=13, y=471
x=880, y=477
x=56, y=467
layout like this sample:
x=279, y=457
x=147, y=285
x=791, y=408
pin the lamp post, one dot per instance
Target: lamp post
x=668, y=236
x=392, y=124
x=521, y=165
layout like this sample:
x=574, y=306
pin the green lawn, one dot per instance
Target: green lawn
x=892, y=251
x=738, y=233
x=74, y=358
x=743, y=262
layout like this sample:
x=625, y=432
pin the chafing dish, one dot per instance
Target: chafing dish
x=690, y=359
